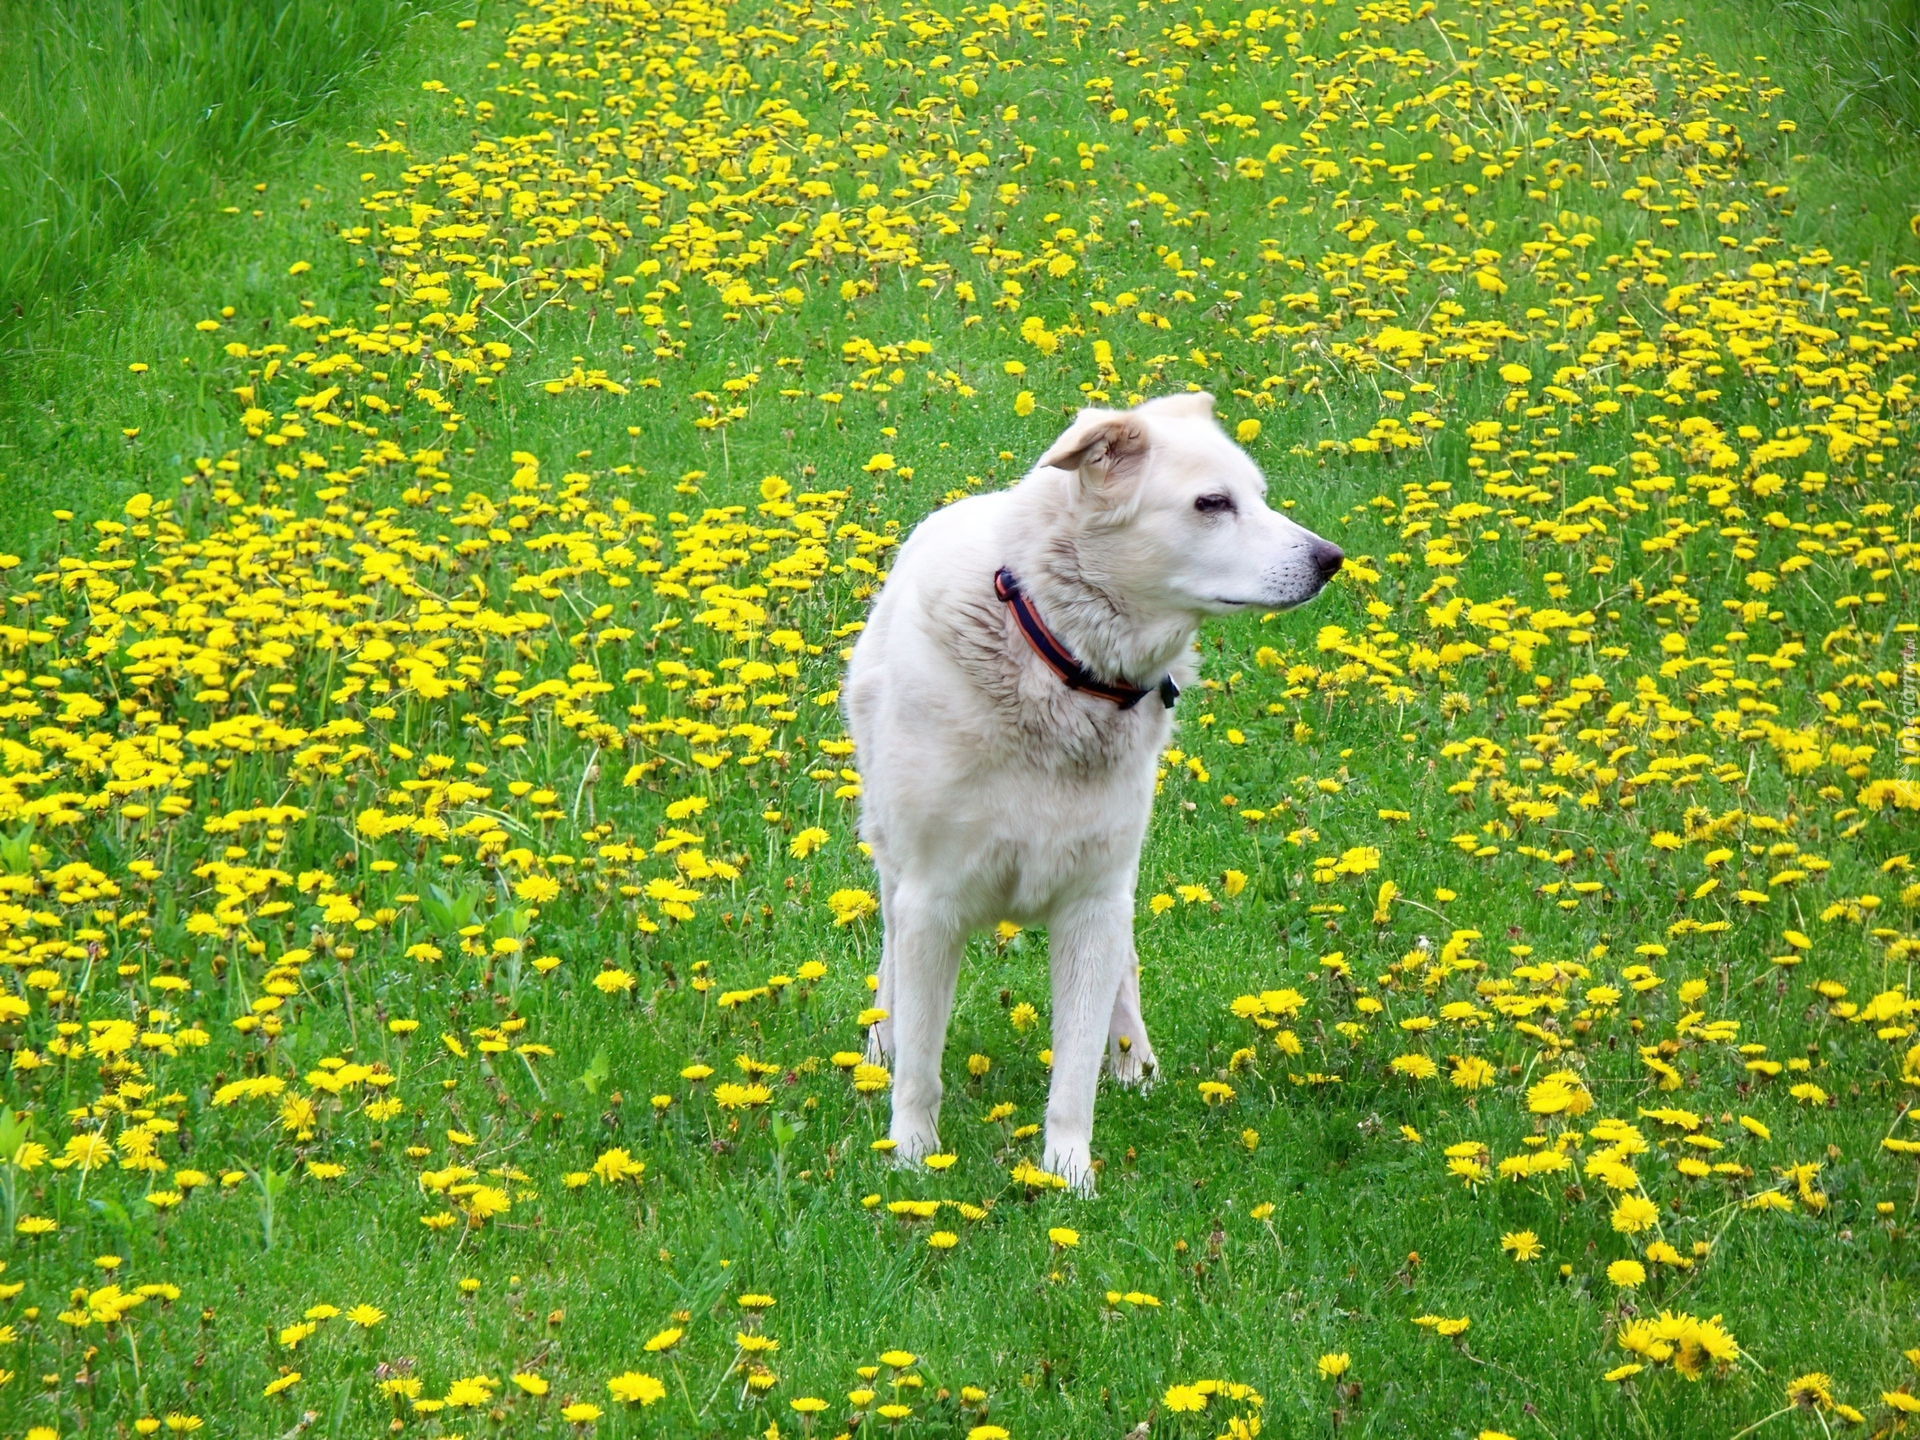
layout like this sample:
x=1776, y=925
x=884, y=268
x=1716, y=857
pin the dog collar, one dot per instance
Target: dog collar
x=1060, y=660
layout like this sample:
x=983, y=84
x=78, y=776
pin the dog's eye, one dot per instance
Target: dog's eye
x=1213, y=504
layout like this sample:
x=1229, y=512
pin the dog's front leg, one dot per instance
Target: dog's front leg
x=1129, y=1053
x=923, y=950
x=1092, y=949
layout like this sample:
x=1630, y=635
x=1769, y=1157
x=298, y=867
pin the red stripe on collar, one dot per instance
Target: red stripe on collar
x=1073, y=674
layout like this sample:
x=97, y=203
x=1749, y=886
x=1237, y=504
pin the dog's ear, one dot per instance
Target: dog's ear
x=1195, y=403
x=1102, y=448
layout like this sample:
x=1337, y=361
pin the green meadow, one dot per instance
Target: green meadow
x=448, y=458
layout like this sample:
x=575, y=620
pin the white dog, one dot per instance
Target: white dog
x=1009, y=700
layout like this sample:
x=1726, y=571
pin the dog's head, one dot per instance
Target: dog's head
x=1176, y=513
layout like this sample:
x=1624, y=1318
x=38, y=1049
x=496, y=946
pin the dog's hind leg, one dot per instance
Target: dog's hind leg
x=922, y=964
x=1092, y=945
x=1130, y=1055
x=880, y=1035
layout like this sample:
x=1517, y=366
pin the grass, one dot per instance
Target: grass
x=1869, y=55
x=486, y=702
x=121, y=119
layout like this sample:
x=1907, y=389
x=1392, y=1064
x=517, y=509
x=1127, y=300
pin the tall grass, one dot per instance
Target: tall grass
x=118, y=116
x=1866, y=53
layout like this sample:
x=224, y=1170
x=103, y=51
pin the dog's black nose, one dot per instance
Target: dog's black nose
x=1327, y=559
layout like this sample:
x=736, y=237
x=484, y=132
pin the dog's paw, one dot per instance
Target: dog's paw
x=912, y=1144
x=1136, y=1067
x=1073, y=1164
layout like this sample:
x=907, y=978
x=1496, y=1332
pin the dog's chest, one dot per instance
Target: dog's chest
x=1076, y=737
x=1072, y=790
x=1056, y=833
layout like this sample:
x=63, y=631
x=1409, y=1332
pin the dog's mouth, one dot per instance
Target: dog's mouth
x=1291, y=602
x=1303, y=586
